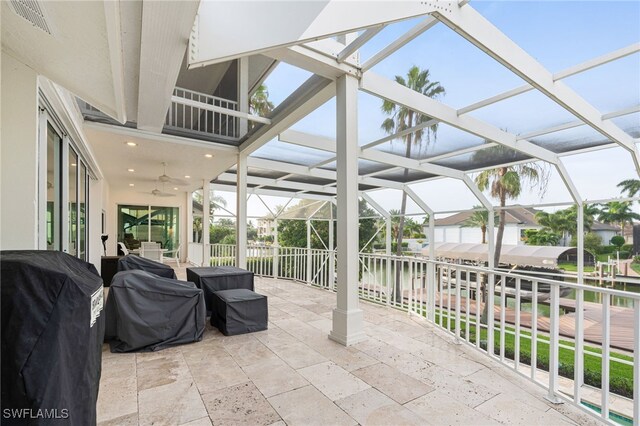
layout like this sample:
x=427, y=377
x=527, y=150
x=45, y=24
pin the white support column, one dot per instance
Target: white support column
x=579, y=313
x=184, y=252
x=347, y=317
x=243, y=93
x=64, y=191
x=241, y=212
x=206, y=202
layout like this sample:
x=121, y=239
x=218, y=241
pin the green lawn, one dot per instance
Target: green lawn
x=621, y=375
x=571, y=267
x=636, y=267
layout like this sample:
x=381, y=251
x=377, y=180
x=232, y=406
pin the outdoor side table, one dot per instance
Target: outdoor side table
x=239, y=311
x=212, y=279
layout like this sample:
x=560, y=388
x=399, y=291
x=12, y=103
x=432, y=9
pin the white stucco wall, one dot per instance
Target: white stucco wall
x=18, y=156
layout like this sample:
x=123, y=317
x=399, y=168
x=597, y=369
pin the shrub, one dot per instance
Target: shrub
x=617, y=241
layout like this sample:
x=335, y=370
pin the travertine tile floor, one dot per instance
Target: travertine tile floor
x=405, y=373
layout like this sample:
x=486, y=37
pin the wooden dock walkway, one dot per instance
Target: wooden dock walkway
x=621, y=321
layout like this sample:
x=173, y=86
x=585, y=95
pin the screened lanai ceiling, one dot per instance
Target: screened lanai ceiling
x=536, y=104
x=545, y=81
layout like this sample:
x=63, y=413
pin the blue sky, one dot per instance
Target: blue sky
x=557, y=34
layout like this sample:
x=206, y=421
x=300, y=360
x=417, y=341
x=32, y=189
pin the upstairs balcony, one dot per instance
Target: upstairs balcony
x=192, y=115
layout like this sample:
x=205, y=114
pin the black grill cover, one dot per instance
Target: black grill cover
x=219, y=278
x=239, y=311
x=146, y=312
x=52, y=333
x=132, y=262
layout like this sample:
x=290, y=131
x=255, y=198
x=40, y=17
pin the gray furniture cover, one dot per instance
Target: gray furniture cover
x=145, y=312
x=52, y=334
x=212, y=279
x=239, y=311
x=132, y=262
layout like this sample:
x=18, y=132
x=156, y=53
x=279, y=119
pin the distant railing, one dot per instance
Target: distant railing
x=526, y=310
x=186, y=117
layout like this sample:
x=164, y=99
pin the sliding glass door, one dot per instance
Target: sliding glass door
x=137, y=224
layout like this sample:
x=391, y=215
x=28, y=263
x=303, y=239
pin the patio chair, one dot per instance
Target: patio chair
x=174, y=254
x=123, y=248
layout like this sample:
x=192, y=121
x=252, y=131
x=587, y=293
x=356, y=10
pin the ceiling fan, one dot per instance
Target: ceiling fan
x=164, y=178
x=157, y=193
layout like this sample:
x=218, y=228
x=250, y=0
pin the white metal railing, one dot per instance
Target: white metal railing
x=526, y=310
x=184, y=116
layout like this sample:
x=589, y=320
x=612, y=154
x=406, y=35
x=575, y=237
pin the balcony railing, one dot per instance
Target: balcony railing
x=187, y=117
x=535, y=326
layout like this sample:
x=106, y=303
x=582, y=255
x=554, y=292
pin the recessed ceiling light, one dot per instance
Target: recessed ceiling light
x=187, y=177
x=175, y=189
x=131, y=184
x=209, y=155
x=73, y=164
x=132, y=143
x=131, y=170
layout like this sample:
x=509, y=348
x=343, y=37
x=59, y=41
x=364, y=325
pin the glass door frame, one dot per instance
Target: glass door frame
x=45, y=119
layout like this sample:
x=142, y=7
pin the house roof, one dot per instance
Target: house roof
x=519, y=215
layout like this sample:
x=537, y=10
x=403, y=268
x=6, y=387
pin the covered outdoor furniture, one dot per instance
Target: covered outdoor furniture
x=146, y=312
x=132, y=262
x=239, y=311
x=52, y=334
x=212, y=279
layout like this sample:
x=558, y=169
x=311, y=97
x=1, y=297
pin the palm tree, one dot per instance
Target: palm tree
x=618, y=212
x=479, y=219
x=259, y=104
x=630, y=186
x=402, y=118
x=506, y=182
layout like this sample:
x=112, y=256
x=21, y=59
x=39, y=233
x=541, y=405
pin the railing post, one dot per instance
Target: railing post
x=606, y=340
x=554, y=337
x=332, y=253
x=308, y=253
x=636, y=361
x=276, y=250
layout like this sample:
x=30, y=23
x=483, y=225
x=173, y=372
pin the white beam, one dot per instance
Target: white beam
x=399, y=94
x=279, y=183
x=414, y=32
x=114, y=37
x=400, y=134
x=601, y=60
x=241, y=212
x=308, y=140
x=375, y=205
x=425, y=208
x=317, y=61
x=471, y=25
x=362, y=39
x=162, y=48
x=409, y=163
x=304, y=100
x=206, y=197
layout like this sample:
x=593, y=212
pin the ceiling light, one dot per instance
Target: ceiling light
x=209, y=155
x=132, y=143
x=131, y=170
x=187, y=177
x=175, y=189
x=73, y=164
x=131, y=184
